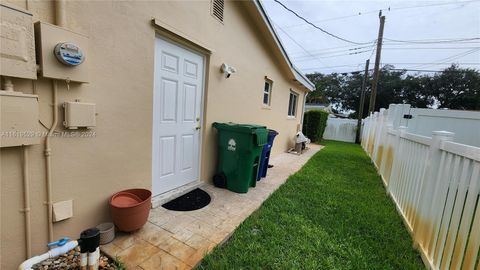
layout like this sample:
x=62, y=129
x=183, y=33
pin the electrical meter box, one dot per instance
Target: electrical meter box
x=17, y=45
x=61, y=53
x=79, y=115
x=18, y=119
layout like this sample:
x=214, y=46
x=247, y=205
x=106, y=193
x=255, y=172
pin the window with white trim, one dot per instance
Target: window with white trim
x=292, y=104
x=267, y=92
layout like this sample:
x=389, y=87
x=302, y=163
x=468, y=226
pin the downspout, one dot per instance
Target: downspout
x=26, y=202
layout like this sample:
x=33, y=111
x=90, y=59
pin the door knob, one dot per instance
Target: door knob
x=197, y=128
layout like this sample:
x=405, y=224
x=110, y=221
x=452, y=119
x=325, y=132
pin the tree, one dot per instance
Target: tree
x=454, y=88
x=415, y=91
x=326, y=87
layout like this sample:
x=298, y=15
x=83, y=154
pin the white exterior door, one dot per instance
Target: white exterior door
x=178, y=90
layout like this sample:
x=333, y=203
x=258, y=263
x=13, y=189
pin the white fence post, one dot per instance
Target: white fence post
x=396, y=165
x=378, y=133
x=382, y=140
x=402, y=109
x=365, y=128
x=428, y=215
x=368, y=132
x=386, y=155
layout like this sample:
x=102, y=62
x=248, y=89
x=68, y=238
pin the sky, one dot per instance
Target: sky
x=433, y=27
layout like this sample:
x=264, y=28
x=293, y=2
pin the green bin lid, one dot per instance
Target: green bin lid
x=243, y=128
x=262, y=136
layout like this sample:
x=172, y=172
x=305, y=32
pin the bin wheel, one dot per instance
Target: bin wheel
x=220, y=180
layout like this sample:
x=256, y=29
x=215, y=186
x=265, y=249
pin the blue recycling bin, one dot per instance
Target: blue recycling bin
x=265, y=156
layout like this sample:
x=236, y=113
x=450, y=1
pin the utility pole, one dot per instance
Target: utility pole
x=376, y=72
x=362, y=102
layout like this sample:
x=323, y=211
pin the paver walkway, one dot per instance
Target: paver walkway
x=179, y=240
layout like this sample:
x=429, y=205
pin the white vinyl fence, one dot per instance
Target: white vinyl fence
x=435, y=184
x=339, y=129
x=465, y=124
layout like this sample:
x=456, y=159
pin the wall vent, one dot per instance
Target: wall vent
x=217, y=9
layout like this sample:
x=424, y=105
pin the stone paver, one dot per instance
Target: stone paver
x=179, y=240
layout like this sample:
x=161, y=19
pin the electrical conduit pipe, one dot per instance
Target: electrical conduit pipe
x=26, y=202
x=60, y=13
x=60, y=20
x=48, y=160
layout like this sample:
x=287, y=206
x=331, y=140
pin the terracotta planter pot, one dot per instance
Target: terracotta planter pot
x=133, y=215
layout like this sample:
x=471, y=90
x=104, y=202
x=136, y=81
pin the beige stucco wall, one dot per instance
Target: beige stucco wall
x=89, y=170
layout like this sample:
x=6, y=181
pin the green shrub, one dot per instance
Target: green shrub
x=314, y=124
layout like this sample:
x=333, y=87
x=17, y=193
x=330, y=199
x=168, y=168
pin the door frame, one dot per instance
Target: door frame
x=182, y=43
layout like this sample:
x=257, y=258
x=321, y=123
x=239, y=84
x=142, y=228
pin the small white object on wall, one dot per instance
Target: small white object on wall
x=62, y=210
x=227, y=70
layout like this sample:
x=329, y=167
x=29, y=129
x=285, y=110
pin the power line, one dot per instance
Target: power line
x=356, y=50
x=450, y=58
x=319, y=28
x=346, y=72
x=438, y=4
x=440, y=44
x=303, y=48
x=331, y=50
x=390, y=9
x=396, y=69
x=298, y=44
x=335, y=53
x=433, y=63
x=331, y=56
x=313, y=68
x=384, y=64
x=349, y=48
x=373, y=50
x=418, y=70
x=433, y=41
x=439, y=62
x=336, y=18
x=432, y=48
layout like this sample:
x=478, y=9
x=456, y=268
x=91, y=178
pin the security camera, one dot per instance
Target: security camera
x=228, y=70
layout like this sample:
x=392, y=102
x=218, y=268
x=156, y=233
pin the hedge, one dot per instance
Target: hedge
x=314, y=123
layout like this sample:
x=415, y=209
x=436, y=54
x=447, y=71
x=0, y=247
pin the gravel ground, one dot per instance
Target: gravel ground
x=71, y=261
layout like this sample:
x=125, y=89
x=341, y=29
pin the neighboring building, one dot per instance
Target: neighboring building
x=319, y=106
x=153, y=71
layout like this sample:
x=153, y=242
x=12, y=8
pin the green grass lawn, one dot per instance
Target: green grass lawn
x=332, y=214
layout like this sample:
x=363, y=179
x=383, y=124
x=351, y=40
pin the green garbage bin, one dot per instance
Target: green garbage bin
x=239, y=149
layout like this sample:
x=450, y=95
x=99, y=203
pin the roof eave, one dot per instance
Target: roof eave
x=301, y=78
